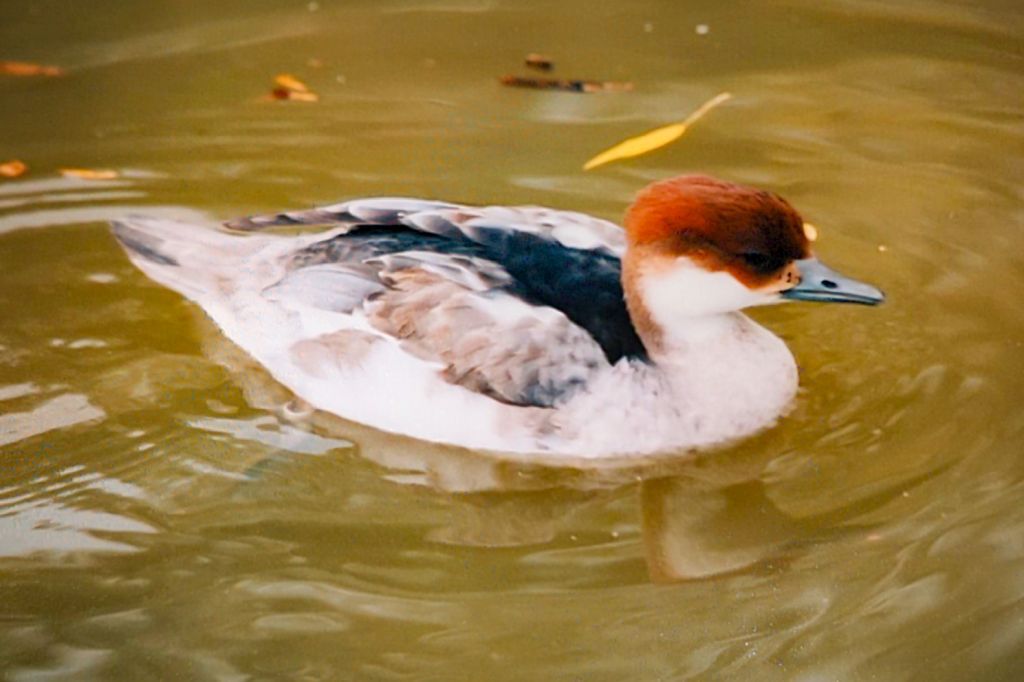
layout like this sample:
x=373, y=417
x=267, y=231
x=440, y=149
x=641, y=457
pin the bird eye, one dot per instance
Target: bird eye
x=761, y=262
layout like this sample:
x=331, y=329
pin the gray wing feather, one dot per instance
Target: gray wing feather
x=488, y=340
x=475, y=274
x=575, y=230
x=337, y=287
x=450, y=309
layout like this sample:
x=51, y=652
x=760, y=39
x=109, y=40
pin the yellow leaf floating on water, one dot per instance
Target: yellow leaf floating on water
x=89, y=173
x=655, y=139
x=12, y=168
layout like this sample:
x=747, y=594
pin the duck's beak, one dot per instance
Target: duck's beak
x=820, y=283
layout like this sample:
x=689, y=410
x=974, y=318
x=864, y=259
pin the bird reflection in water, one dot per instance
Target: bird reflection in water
x=700, y=515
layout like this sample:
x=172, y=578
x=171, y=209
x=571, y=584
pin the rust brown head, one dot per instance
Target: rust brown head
x=698, y=246
x=752, y=234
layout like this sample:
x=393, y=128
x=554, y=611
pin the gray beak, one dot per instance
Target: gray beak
x=820, y=283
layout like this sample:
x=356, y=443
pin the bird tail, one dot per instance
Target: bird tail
x=180, y=255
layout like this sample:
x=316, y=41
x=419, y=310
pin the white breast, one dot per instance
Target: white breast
x=733, y=379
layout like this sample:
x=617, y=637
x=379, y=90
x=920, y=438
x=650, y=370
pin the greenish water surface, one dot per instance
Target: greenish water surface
x=164, y=513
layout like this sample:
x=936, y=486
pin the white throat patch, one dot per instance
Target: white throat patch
x=684, y=291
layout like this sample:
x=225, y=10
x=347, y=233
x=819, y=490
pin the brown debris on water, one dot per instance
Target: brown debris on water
x=13, y=168
x=565, y=84
x=540, y=62
x=8, y=68
x=89, y=173
x=288, y=87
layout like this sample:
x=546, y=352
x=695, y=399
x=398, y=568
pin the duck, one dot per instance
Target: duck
x=515, y=329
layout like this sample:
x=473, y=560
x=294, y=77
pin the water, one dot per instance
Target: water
x=164, y=514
